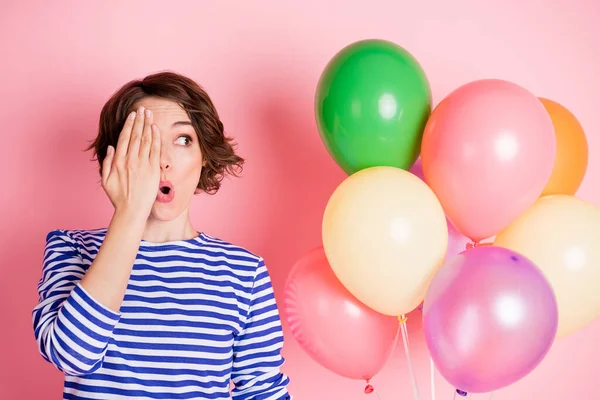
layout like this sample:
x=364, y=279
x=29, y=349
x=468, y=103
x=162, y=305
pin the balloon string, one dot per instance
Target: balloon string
x=376, y=394
x=404, y=330
x=491, y=396
x=432, y=373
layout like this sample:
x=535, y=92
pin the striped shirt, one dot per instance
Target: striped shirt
x=199, y=321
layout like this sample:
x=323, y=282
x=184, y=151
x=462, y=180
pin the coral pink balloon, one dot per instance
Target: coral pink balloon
x=488, y=151
x=333, y=327
x=489, y=317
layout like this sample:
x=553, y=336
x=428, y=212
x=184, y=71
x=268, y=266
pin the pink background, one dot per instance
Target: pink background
x=260, y=62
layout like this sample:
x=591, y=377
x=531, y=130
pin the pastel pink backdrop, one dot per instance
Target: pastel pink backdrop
x=260, y=61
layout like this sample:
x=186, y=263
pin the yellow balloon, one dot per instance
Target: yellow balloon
x=385, y=236
x=561, y=234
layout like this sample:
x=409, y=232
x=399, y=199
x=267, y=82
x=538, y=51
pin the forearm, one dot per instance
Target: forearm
x=75, y=336
x=106, y=279
x=71, y=328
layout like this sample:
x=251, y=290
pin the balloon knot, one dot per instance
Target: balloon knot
x=402, y=319
x=472, y=245
x=461, y=392
x=369, y=389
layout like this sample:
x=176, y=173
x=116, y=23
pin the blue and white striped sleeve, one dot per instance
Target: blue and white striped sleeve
x=257, y=349
x=71, y=328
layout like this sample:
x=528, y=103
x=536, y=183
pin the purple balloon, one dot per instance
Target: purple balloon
x=490, y=317
x=456, y=241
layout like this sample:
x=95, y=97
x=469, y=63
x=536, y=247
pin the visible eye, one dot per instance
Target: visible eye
x=184, y=140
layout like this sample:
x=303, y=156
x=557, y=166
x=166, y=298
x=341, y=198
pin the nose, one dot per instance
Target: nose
x=165, y=161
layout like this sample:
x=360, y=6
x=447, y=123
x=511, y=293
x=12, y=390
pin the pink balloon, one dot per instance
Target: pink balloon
x=488, y=151
x=332, y=326
x=457, y=242
x=489, y=317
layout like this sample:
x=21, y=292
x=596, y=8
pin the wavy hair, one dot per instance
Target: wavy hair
x=217, y=149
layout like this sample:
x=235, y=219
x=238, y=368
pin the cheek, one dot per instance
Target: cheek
x=190, y=166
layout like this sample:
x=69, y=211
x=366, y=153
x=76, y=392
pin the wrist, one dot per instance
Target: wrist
x=129, y=218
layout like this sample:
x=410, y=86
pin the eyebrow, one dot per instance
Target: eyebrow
x=181, y=123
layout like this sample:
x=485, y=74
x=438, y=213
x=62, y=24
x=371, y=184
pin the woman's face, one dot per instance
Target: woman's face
x=180, y=157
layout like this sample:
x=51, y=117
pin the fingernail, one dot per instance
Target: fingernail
x=110, y=150
x=132, y=115
x=148, y=113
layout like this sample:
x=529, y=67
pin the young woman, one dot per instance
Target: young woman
x=149, y=307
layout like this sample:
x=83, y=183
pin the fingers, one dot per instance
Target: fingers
x=123, y=142
x=146, y=138
x=136, y=133
x=155, y=148
x=107, y=163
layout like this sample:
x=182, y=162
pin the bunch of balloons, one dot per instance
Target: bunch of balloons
x=414, y=223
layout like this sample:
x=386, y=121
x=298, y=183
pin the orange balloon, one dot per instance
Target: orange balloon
x=571, y=151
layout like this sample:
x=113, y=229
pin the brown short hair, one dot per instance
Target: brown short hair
x=217, y=149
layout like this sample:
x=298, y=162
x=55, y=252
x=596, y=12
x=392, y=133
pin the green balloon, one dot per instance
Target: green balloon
x=371, y=105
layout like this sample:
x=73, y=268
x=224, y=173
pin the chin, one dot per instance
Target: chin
x=165, y=212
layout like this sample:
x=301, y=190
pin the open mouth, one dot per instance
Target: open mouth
x=165, y=192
